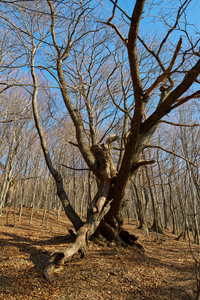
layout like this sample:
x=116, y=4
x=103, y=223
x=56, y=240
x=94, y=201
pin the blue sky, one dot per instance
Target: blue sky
x=193, y=10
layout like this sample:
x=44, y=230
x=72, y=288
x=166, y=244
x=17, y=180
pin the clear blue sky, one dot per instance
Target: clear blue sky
x=155, y=9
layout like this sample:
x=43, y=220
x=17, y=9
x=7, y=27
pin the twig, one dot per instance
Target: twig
x=75, y=169
x=73, y=144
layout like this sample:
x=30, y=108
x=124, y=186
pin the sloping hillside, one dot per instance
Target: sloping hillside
x=164, y=271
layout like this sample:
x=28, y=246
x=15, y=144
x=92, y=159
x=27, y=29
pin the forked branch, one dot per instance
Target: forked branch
x=168, y=104
x=162, y=77
x=124, y=40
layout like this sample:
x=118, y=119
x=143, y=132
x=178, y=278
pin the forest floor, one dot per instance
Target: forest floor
x=166, y=270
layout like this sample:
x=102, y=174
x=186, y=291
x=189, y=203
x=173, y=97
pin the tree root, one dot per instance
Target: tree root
x=124, y=238
x=57, y=263
x=79, y=246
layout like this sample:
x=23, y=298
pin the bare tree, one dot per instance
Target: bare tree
x=140, y=130
x=171, y=79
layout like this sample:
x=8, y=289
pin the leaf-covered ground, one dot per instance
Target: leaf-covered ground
x=165, y=271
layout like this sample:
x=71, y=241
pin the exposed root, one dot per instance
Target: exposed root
x=79, y=246
x=48, y=272
x=54, y=265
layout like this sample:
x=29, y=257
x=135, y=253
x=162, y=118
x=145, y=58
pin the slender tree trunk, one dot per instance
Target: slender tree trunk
x=83, y=204
x=44, y=214
x=8, y=172
x=140, y=209
x=195, y=213
x=33, y=201
x=163, y=194
x=7, y=214
x=172, y=209
x=156, y=222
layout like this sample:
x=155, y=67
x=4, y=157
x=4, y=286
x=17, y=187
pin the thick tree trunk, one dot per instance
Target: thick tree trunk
x=130, y=164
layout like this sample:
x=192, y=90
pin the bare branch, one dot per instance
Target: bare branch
x=72, y=215
x=176, y=52
x=14, y=120
x=173, y=153
x=152, y=53
x=2, y=166
x=112, y=97
x=179, y=13
x=176, y=124
x=73, y=144
x=140, y=163
x=74, y=114
x=65, y=54
x=166, y=73
x=182, y=100
x=115, y=5
x=52, y=28
x=124, y=40
x=165, y=107
x=7, y=87
x=145, y=162
x=112, y=138
x=113, y=12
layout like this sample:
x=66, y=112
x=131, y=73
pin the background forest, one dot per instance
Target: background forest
x=97, y=74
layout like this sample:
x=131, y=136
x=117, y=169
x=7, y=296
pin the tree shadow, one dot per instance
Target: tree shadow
x=37, y=255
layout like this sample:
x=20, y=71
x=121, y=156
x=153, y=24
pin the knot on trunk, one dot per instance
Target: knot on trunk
x=107, y=169
x=104, y=162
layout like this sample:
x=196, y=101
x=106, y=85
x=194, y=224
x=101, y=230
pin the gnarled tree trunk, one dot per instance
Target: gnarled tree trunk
x=105, y=211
